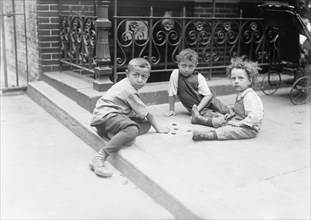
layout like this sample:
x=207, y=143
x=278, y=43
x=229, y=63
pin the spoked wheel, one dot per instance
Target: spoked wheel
x=271, y=82
x=300, y=92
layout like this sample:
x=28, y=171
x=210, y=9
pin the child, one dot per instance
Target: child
x=248, y=114
x=190, y=87
x=121, y=115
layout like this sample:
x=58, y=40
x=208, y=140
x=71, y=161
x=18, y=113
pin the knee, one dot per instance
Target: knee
x=132, y=131
x=144, y=127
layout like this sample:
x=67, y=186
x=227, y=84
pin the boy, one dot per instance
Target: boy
x=121, y=115
x=246, y=120
x=190, y=87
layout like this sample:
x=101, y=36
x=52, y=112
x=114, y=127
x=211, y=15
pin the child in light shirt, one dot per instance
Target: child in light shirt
x=247, y=114
x=121, y=115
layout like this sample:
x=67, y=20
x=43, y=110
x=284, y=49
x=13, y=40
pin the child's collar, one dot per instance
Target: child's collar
x=242, y=94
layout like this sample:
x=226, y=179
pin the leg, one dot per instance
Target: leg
x=196, y=118
x=144, y=125
x=235, y=133
x=122, y=138
x=121, y=131
x=218, y=106
x=204, y=135
x=215, y=121
x=116, y=143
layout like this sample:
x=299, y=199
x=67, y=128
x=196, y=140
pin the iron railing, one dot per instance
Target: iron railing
x=160, y=39
x=14, y=77
x=77, y=42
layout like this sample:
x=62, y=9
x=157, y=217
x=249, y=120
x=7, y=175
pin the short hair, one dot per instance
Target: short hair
x=138, y=62
x=250, y=67
x=187, y=54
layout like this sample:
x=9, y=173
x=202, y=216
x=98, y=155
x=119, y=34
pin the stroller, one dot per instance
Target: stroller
x=292, y=56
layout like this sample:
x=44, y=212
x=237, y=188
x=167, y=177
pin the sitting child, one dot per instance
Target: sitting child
x=190, y=87
x=246, y=119
x=121, y=114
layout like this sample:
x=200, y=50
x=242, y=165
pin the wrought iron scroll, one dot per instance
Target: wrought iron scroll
x=160, y=39
x=215, y=39
x=77, y=42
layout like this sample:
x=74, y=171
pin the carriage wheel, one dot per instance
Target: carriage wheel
x=271, y=82
x=300, y=92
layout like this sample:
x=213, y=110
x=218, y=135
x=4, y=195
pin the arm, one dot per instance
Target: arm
x=172, y=92
x=205, y=91
x=171, y=112
x=204, y=102
x=154, y=124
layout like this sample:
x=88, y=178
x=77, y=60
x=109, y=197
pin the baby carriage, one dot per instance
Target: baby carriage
x=292, y=56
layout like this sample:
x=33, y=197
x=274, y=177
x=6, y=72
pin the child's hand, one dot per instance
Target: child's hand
x=234, y=123
x=163, y=130
x=169, y=114
x=230, y=115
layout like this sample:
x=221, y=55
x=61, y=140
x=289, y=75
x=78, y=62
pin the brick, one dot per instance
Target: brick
x=54, y=7
x=44, y=44
x=55, y=56
x=46, y=56
x=49, y=26
x=64, y=8
x=43, y=20
x=48, y=2
x=48, y=13
x=44, y=32
x=43, y=7
x=50, y=62
x=49, y=50
x=46, y=69
x=55, y=44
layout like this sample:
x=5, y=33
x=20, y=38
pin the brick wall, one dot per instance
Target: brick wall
x=223, y=9
x=42, y=27
x=48, y=26
x=42, y=24
x=48, y=34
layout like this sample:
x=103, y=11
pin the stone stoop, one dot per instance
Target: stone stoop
x=80, y=88
x=69, y=97
x=134, y=163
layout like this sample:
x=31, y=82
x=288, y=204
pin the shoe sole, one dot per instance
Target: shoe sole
x=100, y=174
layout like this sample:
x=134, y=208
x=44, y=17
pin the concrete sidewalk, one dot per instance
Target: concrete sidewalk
x=263, y=178
x=45, y=175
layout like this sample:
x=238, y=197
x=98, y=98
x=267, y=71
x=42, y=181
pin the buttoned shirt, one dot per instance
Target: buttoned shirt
x=121, y=98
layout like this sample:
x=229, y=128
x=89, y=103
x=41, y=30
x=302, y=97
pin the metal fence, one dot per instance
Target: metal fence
x=160, y=39
x=13, y=75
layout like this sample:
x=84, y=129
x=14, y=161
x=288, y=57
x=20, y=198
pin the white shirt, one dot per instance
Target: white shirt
x=173, y=84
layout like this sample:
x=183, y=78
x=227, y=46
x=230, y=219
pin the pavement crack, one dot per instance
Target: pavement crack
x=285, y=173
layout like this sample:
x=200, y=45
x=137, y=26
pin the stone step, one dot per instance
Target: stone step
x=80, y=88
x=136, y=164
x=144, y=162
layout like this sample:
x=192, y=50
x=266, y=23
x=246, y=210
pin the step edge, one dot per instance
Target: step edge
x=119, y=160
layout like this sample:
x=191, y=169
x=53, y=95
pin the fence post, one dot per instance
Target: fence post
x=102, y=71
